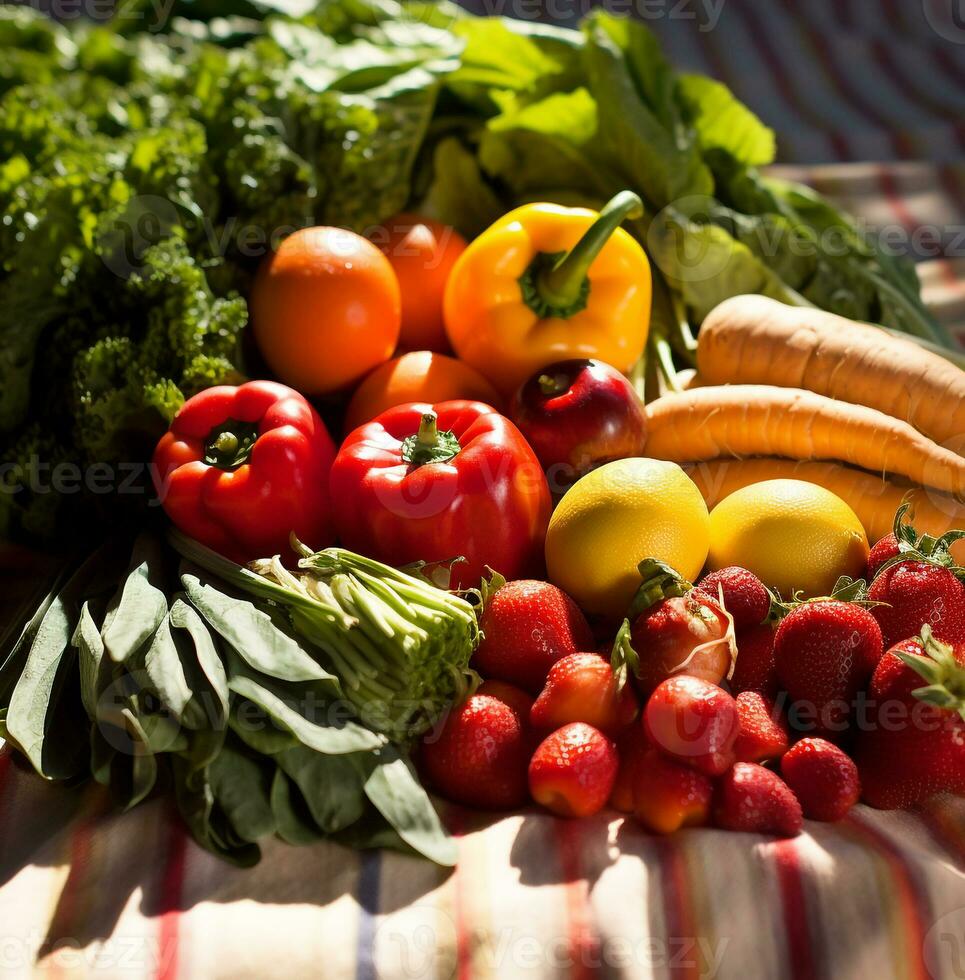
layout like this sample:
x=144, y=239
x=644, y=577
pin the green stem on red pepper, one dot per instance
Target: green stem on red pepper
x=429, y=445
x=229, y=445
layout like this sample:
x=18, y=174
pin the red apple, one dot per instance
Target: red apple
x=578, y=415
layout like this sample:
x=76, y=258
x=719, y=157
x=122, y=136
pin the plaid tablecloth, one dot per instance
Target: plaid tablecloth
x=87, y=892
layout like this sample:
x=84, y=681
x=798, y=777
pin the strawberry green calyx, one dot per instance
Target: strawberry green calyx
x=658, y=581
x=489, y=587
x=926, y=548
x=938, y=666
x=623, y=658
x=846, y=589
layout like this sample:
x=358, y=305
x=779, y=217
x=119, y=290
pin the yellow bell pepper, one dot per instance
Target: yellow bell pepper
x=547, y=283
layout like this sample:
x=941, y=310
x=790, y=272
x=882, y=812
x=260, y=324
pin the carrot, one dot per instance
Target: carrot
x=872, y=498
x=761, y=420
x=756, y=340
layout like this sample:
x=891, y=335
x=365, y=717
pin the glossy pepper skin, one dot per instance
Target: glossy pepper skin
x=547, y=283
x=241, y=468
x=433, y=482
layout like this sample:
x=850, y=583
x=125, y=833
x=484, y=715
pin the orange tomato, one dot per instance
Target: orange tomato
x=422, y=252
x=419, y=376
x=325, y=309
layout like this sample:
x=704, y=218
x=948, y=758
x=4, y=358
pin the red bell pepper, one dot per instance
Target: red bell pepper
x=241, y=468
x=433, y=482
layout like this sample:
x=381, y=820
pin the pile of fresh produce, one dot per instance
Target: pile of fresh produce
x=564, y=547
x=147, y=169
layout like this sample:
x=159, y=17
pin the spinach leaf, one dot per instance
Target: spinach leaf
x=332, y=785
x=212, y=695
x=294, y=823
x=312, y=719
x=396, y=792
x=95, y=668
x=241, y=784
x=255, y=728
x=252, y=635
x=140, y=604
x=45, y=716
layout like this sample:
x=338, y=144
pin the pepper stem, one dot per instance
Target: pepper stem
x=428, y=444
x=560, y=285
x=229, y=445
x=428, y=434
x=226, y=443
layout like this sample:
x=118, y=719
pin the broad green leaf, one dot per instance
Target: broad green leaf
x=312, y=720
x=46, y=698
x=723, y=122
x=397, y=794
x=94, y=667
x=213, y=698
x=642, y=129
x=253, y=726
x=459, y=195
x=241, y=784
x=331, y=784
x=196, y=803
x=252, y=635
x=140, y=604
x=166, y=675
x=202, y=748
x=294, y=823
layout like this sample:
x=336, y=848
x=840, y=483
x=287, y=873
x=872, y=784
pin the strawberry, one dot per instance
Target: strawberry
x=823, y=778
x=745, y=596
x=515, y=697
x=479, y=756
x=919, y=585
x=667, y=795
x=918, y=593
x=631, y=747
x=755, y=668
x=754, y=799
x=527, y=626
x=914, y=745
x=572, y=772
x=883, y=551
x=583, y=687
x=693, y=721
x=673, y=628
x=762, y=732
x=825, y=652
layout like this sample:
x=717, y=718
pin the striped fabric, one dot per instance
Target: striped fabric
x=87, y=893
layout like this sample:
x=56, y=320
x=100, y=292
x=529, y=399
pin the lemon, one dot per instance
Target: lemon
x=613, y=518
x=794, y=536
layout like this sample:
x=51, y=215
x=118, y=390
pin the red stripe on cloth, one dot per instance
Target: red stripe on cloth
x=678, y=912
x=800, y=962
x=584, y=944
x=172, y=889
x=839, y=145
x=903, y=145
x=455, y=823
x=910, y=894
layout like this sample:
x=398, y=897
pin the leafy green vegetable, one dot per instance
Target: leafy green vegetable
x=399, y=646
x=216, y=699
